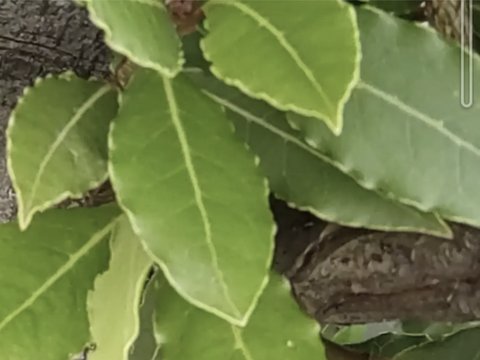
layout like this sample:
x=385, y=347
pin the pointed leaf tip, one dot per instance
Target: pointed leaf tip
x=150, y=39
x=286, y=43
x=58, y=149
x=193, y=194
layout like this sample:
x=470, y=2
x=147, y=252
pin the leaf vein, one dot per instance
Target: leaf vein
x=62, y=135
x=170, y=94
x=433, y=123
x=262, y=21
x=94, y=240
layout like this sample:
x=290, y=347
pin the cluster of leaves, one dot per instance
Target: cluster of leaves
x=348, y=112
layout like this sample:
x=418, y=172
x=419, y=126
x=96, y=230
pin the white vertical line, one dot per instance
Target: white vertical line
x=466, y=76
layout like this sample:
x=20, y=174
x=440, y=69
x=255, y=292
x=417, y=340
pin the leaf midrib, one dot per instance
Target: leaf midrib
x=73, y=259
x=431, y=122
x=182, y=138
x=239, y=343
x=87, y=105
x=263, y=22
x=289, y=138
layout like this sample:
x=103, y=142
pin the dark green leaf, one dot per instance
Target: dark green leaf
x=407, y=135
x=304, y=176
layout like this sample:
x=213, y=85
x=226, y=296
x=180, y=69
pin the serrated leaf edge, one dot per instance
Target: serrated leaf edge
x=95, y=239
x=363, y=85
x=240, y=321
x=251, y=117
x=138, y=289
x=26, y=213
x=170, y=73
x=237, y=332
x=335, y=122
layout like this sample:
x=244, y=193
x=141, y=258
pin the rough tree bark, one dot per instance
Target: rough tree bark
x=354, y=276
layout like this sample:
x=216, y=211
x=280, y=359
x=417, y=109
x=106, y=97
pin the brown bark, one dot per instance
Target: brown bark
x=446, y=17
x=361, y=276
x=38, y=38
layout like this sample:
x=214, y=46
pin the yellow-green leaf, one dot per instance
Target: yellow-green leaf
x=297, y=55
x=193, y=194
x=57, y=141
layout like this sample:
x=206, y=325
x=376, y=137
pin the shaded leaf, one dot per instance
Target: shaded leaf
x=58, y=149
x=463, y=345
x=48, y=270
x=141, y=30
x=406, y=135
x=303, y=175
x=350, y=334
x=390, y=344
x=276, y=39
x=113, y=303
x=397, y=6
x=193, y=53
x=146, y=346
x=193, y=193
x=434, y=330
x=277, y=329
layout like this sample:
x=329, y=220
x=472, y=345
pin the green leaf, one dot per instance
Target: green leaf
x=397, y=6
x=146, y=346
x=278, y=329
x=406, y=133
x=141, y=30
x=58, y=149
x=476, y=25
x=115, y=324
x=389, y=345
x=47, y=271
x=193, y=53
x=350, y=334
x=303, y=176
x=289, y=45
x=193, y=193
x=462, y=345
x=435, y=330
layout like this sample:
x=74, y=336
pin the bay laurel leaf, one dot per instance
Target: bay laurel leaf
x=406, y=133
x=113, y=303
x=146, y=345
x=282, y=52
x=47, y=271
x=462, y=345
x=303, y=175
x=193, y=194
x=150, y=39
x=397, y=6
x=390, y=344
x=57, y=141
x=277, y=329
